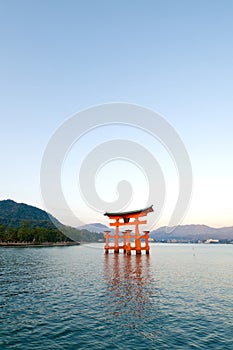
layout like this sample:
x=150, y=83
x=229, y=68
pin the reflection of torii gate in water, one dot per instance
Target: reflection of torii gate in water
x=124, y=219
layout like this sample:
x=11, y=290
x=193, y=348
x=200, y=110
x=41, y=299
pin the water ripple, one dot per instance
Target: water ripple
x=79, y=298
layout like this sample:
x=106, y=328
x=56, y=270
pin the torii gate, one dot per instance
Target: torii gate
x=124, y=219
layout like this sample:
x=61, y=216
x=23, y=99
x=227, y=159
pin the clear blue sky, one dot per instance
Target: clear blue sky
x=58, y=57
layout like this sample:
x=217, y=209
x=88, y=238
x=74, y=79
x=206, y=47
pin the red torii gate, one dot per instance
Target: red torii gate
x=124, y=219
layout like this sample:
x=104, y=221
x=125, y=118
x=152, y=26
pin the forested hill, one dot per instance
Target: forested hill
x=20, y=222
x=12, y=214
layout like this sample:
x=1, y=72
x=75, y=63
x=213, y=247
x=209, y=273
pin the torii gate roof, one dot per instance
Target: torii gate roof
x=133, y=213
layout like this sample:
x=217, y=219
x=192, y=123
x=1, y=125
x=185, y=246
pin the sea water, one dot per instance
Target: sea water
x=178, y=297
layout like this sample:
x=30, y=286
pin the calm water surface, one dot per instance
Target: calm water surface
x=179, y=297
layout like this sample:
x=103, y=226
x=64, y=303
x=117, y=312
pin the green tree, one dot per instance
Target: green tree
x=2, y=233
x=11, y=234
x=24, y=232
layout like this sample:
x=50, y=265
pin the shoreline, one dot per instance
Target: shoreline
x=45, y=244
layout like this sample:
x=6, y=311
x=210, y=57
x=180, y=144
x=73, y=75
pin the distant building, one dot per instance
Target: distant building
x=210, y=240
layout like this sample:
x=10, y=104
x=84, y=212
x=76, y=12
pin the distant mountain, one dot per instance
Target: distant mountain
x=180, y=233
x=12, y=214
x=192, y=233
x=95, y=227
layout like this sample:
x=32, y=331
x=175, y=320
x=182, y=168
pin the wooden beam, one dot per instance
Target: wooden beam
x=143, y=222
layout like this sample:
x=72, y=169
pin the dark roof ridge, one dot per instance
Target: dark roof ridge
x=147, y=210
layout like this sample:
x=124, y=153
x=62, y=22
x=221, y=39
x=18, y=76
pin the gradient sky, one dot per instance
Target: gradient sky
x=175, y=57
